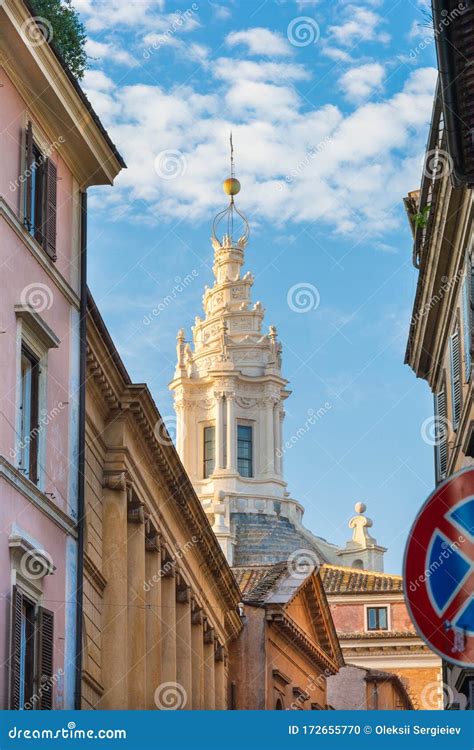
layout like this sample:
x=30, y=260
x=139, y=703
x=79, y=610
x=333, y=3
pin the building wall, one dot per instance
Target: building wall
x=304, y=675
x=267, y=667
x=444, y=304
x=393, y=651
x=42, y=515
x=356, y=688
x=160, y=604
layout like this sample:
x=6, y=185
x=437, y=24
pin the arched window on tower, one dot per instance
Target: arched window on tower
x=359, y=564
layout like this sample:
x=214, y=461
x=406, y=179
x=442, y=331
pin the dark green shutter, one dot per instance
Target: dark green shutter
x=15, y=648
x=28, y=170
x=49, y=208
x=44, y=662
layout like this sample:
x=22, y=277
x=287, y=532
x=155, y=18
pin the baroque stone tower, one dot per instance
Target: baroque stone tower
x=229, y=396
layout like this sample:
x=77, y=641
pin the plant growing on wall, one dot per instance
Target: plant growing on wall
x=420, y=219
x=68, y=34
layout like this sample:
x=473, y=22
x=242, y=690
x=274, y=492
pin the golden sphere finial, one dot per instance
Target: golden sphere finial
x=231, y=186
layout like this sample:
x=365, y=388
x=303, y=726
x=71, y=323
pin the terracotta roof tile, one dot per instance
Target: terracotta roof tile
x=257, y=581
x=340, y=580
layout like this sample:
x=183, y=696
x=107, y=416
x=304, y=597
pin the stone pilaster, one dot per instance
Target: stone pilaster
x=115, y=624
x=269, y=437
x=153, y=615
x=209, y=669
x=220, y=677
x=197, y=657
x=168, y=620
x=136, y=606
x=219, y=431
x=183, y=640
x=231, y=434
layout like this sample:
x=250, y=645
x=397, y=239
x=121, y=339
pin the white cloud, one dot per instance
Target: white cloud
x=295, y=164
x=260, y=41
x=221, y=12
x=361, y=24
x=334, y=53
x=230, y=69
x=102, y=14
x=109, y=52
x=359, y=83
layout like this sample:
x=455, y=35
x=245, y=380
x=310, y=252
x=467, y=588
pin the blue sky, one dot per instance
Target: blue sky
x=329, y=104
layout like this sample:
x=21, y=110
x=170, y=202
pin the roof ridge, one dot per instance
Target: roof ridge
x=362, y=571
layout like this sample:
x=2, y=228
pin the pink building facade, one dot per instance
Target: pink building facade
x=52, y=149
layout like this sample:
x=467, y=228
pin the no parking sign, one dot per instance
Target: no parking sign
x=439, y=569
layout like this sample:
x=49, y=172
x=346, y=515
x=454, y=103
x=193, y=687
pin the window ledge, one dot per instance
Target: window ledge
x=33, y=562
x=37, y=326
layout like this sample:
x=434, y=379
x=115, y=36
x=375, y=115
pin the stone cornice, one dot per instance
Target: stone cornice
x=442, y=259
x=298, y=638
x=210, y=379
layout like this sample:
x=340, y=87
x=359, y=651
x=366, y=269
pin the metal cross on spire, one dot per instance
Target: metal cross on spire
x=232, y=166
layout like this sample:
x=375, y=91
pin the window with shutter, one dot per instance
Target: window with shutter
x=44, y=661
x=22, y=651
x=29, y=175
x=50, y=197
x=456, y=385
x=466, y=316
x=441, y=444
x=40, y=197
x=15, y=649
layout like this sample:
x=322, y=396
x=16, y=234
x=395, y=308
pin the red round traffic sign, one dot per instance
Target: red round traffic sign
x=439, y=569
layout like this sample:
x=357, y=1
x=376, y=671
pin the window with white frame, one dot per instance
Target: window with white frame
x=35, y=339
x=29, y=414
x=377, y=618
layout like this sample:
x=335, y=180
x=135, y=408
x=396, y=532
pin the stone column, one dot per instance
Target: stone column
x=231, y=434
x=180, y=428
x=219, y=430
x=183, y=643
x=168, y=620
x=197, y=658
x=153, y=616
x=269, y=437
x=114, y=631
x=280, y=432
x=221, y=703
x=136, y=642
x=277, y=437
x=209, y=670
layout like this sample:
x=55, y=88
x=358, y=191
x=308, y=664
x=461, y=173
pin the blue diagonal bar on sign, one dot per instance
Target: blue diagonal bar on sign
x=447, y=570
x=463, y=516
x=465, y=621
